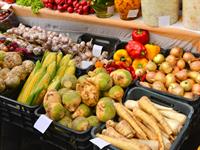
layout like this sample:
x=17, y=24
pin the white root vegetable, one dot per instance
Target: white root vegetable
x=146, y=105
x=174, y=124
x=153, y=144
x=132, y=103
x=174, y=115
x=111, y=132
x=124, y=144
x=167, y=143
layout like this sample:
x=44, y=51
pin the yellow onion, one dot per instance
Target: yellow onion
x=170, y=78
x=139, y=72
x=145, y=84
x=186, y=85
x=191, y=81
x=158, y=85
x=160, y=77
x=176, y=51
x=159, y=58
x=195, y=65
x=176, y=69
x=165, y=67
x=188, y=57
x=193, y=74
x=175, y=88
x=171, y=59
x=189, y=95
x=196, y=89
x=181, y=64
x=150, y=77
x=151, y=66
x=198, y=78
x=181, y=75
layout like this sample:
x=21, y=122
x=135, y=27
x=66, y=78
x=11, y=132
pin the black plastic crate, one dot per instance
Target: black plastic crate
x=63, y=137
x=136, y=93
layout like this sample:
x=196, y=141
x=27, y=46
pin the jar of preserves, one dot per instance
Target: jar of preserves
x=160, y=12
x=191, y=14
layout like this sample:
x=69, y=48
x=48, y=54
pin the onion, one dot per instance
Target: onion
x=195, y=65
x=175, y=88
x=176, y=51
x=191, y=81
x=165, y=67
x=158, y=85
x=145, y=84
x=159, y=58
x=188, y=57
x=196, y=89
x=193, y=74
x=188, y=95
x=181, y=64
x=171, y=59
x=186, y=85
x=181, y=75
x=151, y=66
x=160, y=77
x=198, y=78
x=170, y=78
x=139, y=72
x=176, y=69
x=150, y=77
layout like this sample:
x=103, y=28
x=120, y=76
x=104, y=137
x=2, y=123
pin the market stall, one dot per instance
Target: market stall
x=73, y=79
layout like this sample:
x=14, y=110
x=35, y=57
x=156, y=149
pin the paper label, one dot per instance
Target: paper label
x=164, y=21
x=133, y=13
x=110, y=10
x=96, y=50
x=85, y=64
x=6, y=6
x=99, y=142
x=42, y=123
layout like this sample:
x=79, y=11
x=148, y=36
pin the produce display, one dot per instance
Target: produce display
x=4, y=14
x=35, y=5
x=83, y=102
x=178, y=73
x=81, y=7
x=13, y=70
x=143, y=125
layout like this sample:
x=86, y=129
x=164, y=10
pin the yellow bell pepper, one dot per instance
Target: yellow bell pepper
x=152, y=51
x=121, y=56
x=139, y=63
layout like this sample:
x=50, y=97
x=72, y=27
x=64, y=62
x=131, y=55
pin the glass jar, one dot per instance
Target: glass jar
x=103, y=8
x=160, y=12
x=191, y=14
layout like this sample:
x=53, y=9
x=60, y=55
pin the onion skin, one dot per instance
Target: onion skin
x=191, y=81
x=189, y=95
x=171, y=59
x=198, y=78
x=196, y=89
x=195, y=66
x=159, y=58
x=150, y=77
x=176, y=69
x=181, y=64
x=170, y=78
x=165, y=67
x=188, y=57
x=160, y=77
x=175, y=88
x=145, y=84
x=186, y=85
x=193, y=74
x=158, y=85
x=176, y=51
x=181, y=75
x=151, y=66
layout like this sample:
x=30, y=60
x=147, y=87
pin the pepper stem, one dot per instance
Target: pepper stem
x=122, y=59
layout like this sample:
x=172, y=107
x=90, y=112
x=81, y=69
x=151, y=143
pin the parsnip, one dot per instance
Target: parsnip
x=124, y=128
x=110, y=123
x=124, y=144
x=153, y=144
x=146, y=118
x=147, y=106
x=174, y=124
x=110, y=131
x=167, y=143
x=125, y=115
x=174, y=115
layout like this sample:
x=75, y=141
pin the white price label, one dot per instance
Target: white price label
x=133, y=13
x=85, y=64
x=96, y=50
x=42, y=123
x=6, y=6
x=110, y=10
x=99, y=142
x=164, y=21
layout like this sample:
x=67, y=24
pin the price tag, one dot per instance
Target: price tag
x=99, y=142
x=96, y=50
x=6, y=6
x=85, y=64
x=42, y=123
x=133, y=13
x=110, y=10
x=164, y=21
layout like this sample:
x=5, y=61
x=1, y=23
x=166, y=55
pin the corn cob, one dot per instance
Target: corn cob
x=51, y=56
x=59, y=58
x=51, y=69
x=55, y=84
x=71, y=69
x=65, y=60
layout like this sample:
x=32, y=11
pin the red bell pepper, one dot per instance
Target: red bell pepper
x=141, y=36
x=136, y=49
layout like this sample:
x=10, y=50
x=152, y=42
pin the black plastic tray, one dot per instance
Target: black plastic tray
x=137, y=92
x=63, y=137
